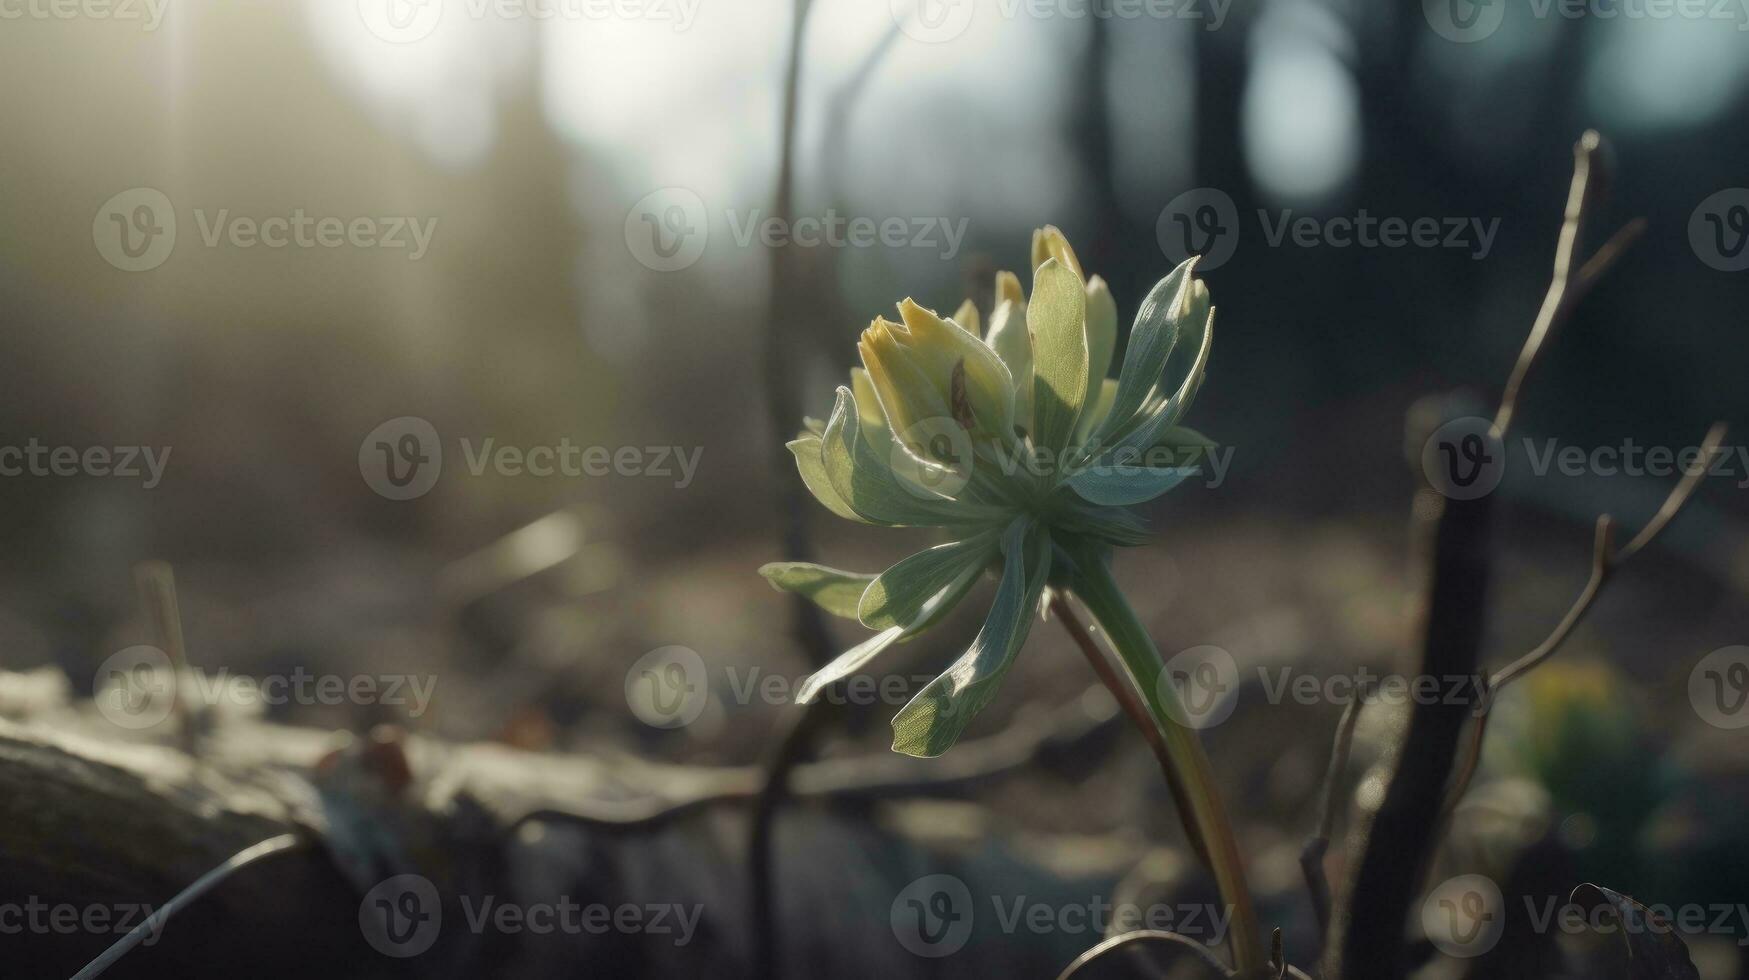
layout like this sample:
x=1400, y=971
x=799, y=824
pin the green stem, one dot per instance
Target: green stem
x=1199, y=803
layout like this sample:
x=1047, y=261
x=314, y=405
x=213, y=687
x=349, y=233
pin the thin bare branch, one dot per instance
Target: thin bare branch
x=1606, y=559
x=1312, y=855
x=1567, y=286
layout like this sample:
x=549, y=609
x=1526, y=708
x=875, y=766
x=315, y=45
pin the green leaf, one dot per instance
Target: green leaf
x=933, y=721
x=832, y=590
x=1162, y=414
x=813, y=471
x=849, y=662
x=897, y=596
x=1159, y=321
x=1111, y=525
x=853, y=660
x=1121, y=486
x=868, y=486
x=1056, y=318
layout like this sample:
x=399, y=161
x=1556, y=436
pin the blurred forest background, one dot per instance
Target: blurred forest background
x=531, y=319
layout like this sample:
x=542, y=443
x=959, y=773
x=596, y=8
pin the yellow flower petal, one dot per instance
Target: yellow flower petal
x=967, y=316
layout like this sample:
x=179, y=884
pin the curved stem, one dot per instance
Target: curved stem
x=1199, y=803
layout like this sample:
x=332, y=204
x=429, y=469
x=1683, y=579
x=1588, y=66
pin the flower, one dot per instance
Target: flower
x=1015, y=443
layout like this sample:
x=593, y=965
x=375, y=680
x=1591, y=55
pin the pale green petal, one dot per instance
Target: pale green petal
x=1097, y=409
x=868, y=485
x=1101, y=331
x=897, y=596
x=869, y=412
x=1008, y=337
x=847, y=663
x=934, y=720
x=1122, y=486
x=1170, y=307
x=1009, y=288
x=837, y=592
x=979, y=389
x=1056, y=319
x=967, y=317
x=1050, y=243
x=813, y=471
x=907, y=395
x=1161, y=414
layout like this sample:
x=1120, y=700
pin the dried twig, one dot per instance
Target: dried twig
x=1405, y=829
x=810, y=628
x=1312, y=854
x=156, y=582
x=1590, y=180
x=1606, y=559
